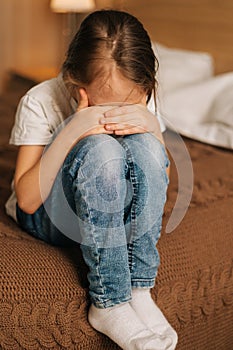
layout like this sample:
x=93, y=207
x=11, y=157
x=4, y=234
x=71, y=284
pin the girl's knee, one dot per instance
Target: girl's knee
x=104, y=148
x=145, y=140
x=98, y=146
x=146, y=149
x=97, y=154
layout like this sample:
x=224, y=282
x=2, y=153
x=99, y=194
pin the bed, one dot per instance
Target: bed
x=43, y=290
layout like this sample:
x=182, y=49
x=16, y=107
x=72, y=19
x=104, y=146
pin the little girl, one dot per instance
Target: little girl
x=102, y=180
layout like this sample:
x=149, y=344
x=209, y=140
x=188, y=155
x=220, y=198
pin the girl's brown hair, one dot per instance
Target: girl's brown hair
x=106, y=36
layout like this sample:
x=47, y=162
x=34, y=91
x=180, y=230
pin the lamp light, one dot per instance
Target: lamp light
x=73, y=11
x=72, y=5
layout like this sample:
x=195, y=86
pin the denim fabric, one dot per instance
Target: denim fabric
x=109, y=197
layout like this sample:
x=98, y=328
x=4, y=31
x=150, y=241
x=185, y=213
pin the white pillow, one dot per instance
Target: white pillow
x=179, y=68
x=203, y=111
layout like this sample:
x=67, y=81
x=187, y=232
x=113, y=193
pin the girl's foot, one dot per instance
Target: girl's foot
x=121, y=324
x=151, y=315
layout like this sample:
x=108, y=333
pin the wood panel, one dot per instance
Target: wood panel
x=202, y=25
x=30, y=35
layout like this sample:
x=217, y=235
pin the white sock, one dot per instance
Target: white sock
x=151, y=315
x=121, y=324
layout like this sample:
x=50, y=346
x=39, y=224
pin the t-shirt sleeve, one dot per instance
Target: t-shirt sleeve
x=31, y=124
x=152, y=109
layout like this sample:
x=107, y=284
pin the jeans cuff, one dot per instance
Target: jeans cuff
x=110, y=303
x=143, y=283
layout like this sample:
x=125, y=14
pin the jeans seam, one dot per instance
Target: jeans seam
x=96, y=246
x=129, y=160
x=130, y=258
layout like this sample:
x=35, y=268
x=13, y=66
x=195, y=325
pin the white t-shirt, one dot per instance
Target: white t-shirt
x=40, y=111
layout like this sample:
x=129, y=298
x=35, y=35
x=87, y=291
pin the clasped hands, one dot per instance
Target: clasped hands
x=124, y=119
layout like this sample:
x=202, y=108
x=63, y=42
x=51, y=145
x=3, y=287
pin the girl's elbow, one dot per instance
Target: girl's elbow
x=27, y=208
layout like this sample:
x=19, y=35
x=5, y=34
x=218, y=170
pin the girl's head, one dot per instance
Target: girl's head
x=111, y=57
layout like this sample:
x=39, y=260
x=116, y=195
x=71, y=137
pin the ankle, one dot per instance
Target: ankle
x=144, y=291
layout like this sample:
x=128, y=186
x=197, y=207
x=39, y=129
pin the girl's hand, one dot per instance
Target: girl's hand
x=87, y=119
x=131, y=119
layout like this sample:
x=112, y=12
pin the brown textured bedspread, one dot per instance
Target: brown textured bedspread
x=43, y=290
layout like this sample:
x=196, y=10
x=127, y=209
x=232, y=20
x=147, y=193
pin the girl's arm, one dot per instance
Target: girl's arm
x=36, y=170
x=26, y=179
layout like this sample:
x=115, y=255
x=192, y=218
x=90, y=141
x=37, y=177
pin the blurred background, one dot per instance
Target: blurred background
x=34, y=33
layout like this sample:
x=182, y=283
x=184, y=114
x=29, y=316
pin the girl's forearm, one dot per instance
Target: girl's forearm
x=34, y=186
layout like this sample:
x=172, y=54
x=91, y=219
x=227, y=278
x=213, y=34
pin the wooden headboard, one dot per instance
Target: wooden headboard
x=200, y=25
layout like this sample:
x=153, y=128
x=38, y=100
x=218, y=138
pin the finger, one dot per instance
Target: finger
x=119, y=126
x=131, y=119
x=126, y=109
x=96, y=131
x=83, y=99
x=110, y=120
x=129, y=131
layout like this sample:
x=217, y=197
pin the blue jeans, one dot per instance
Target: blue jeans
x=108, y=196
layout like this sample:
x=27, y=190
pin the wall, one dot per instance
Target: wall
x=32, y=36
x=202, y=25
x=29, y=34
